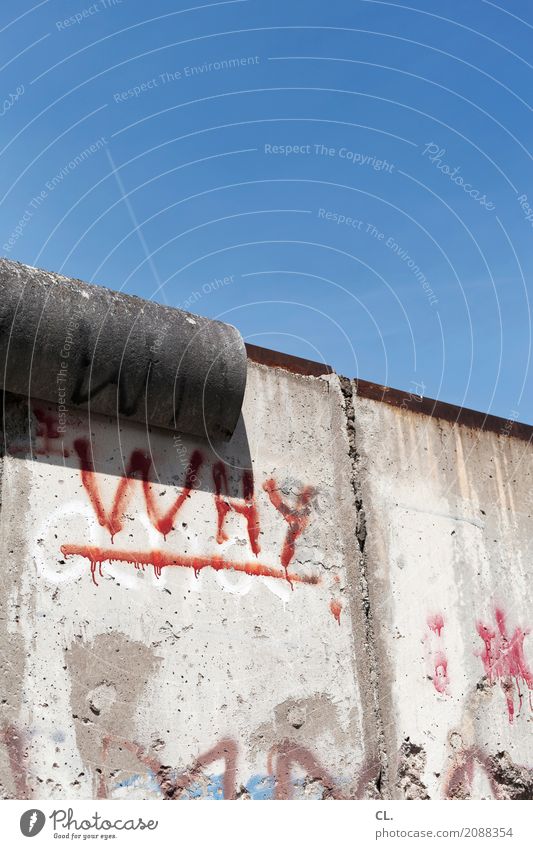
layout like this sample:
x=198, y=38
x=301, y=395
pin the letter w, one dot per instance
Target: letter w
x=139, y=464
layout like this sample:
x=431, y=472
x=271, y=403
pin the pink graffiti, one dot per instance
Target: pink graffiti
x=436, y=623
x=440, y=676
x=281, y=760
x=504, y=661
x=438, y=658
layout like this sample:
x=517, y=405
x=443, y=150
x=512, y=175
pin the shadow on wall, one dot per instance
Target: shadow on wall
x=32, y=430
x=120, y=470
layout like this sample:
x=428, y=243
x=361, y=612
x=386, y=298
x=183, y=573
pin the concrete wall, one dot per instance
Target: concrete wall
x=449, y=559
x=165, y=642
x=335, y=604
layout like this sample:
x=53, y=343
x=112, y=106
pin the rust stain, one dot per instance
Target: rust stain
x=441, y=410
x=297, y=365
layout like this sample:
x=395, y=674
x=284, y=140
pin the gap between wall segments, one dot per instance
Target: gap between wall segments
x=347, y=389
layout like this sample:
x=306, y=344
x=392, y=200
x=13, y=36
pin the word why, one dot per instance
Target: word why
x=185, y=73
x=11, y=99
x=88, y=12
x=296, y=516
x=435, y=155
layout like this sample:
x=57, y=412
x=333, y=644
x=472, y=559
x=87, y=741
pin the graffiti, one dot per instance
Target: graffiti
x=459, y=782
x=335, y=605
x=159, y=559
x=47, y=430
x=440, y=675
x=461, y=776
x=12, y=739
x=504, y=661
x=131, y=383
x=139, y=464
x=336, y=609
x=138, y=470
x=439, y=661
x=292, y=771
x=173, y=786
x=280, y=763
x=226, y=523
x=297, y=517
x=278, y=783
x=247, y=509
x=506, y=779
x=436, y=624
x=47, y=435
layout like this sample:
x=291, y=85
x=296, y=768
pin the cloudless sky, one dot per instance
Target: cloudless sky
x=344, y=180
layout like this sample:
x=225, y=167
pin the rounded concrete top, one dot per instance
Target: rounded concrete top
x=85, y=346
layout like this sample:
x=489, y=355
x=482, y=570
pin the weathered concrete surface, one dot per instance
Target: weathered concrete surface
x=334, y=604
x=180, y=620
x=107, y=352
x=448, y=559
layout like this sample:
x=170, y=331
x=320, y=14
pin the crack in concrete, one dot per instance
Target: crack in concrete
x=347, y=390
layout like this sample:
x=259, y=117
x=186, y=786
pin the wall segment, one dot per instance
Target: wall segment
x=335, y=603
x=449, y=575
x=181, y=614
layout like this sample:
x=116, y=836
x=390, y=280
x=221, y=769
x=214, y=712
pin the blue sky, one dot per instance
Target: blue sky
x=349, y=181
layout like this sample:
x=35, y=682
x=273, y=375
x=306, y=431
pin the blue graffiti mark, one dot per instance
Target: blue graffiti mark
x=130, y=781
x=194, y=791
x=148, y=782
x=214, y=790
x=261, y=787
